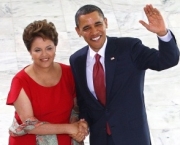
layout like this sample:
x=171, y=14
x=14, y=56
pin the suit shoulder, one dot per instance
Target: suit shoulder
x=124, y=40
x=79, y=52
x=128, y=39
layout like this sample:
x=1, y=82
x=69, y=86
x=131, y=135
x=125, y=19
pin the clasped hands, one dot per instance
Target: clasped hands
x=79, y=130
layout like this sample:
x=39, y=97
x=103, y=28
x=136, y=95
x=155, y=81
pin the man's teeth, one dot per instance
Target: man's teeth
x=96, y=38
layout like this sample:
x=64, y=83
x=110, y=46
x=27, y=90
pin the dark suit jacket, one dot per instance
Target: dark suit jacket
x=125, y=108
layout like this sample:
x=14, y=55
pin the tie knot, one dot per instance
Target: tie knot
x=97, y=57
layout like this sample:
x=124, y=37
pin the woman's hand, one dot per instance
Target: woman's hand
x=82, y=131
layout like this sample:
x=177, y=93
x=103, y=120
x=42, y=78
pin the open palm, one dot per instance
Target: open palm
x=155, y=19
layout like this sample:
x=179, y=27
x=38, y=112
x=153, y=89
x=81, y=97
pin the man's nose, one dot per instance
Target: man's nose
x=94, y=30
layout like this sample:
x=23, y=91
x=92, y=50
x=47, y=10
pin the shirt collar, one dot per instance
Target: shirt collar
x=100, y=52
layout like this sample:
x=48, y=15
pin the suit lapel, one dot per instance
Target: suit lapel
x=110, y=64
x=81, y=63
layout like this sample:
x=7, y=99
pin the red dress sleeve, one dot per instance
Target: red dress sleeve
x=15, y=89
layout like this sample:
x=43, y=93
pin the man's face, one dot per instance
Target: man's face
x=92, y=27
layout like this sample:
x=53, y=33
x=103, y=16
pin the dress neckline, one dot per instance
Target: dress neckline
x=40, y=84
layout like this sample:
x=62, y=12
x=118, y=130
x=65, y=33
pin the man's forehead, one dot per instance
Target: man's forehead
x=90, y=19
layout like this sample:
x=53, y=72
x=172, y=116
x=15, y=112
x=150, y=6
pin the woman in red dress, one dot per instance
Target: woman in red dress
x=43, y=93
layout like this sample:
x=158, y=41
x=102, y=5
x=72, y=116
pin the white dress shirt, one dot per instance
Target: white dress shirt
x=91, y=60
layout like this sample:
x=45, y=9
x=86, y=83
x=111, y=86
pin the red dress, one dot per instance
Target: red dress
x=50, y=104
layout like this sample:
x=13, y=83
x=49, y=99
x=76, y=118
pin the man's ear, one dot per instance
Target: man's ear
x=78, y=31
x=106, y=22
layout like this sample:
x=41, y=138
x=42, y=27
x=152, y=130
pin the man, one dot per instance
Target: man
x=119, y=119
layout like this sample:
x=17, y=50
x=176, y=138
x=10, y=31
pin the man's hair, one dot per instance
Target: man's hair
x=86, y=9
x=40, y=28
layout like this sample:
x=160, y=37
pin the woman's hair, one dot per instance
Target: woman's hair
x=41, y=29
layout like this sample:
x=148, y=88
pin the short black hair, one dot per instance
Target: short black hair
x=86, y=9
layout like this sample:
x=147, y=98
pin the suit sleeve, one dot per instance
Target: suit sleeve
x=167, y=56
x=83, y=113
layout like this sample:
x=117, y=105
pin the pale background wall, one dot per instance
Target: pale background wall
x=162, y=89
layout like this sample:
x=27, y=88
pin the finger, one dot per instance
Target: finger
x=156, y=11
x=83, y=124
x=150, y=7
x=144, y=24
x=158, y=14
x=150, y=10
x=146, y=11
x=79, y=137
x=73, y=135
x=83, y=130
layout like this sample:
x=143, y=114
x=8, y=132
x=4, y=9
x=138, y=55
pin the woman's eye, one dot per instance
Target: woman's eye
x=49, y=48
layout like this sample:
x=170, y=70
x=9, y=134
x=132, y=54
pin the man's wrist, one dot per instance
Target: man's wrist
x=167, y=37
x=163, y=33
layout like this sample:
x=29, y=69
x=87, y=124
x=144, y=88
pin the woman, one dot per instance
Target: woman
x=43, y=93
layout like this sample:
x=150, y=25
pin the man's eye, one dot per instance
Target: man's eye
x=85, y=29
x=37, y=50
x=98, y=24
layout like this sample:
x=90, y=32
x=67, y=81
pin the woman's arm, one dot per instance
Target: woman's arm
x=24, y=110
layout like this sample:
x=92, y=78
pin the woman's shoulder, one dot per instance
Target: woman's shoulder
x=65, y=67
x=20, y=74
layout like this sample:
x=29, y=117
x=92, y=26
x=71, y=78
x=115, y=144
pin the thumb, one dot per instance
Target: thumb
x=144, y=24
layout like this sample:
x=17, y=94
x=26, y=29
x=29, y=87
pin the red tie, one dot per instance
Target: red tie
x=99, y=83
x=98, y=80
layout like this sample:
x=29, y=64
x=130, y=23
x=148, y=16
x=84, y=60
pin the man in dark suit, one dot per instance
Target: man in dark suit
x=121, y=119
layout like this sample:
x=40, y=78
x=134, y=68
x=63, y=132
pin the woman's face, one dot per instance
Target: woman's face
x=43, y=52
